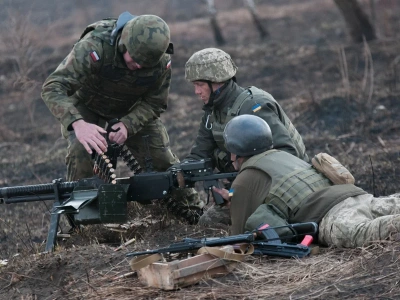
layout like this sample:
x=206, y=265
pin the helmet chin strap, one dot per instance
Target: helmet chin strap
x=214, y=94
x=235, y=163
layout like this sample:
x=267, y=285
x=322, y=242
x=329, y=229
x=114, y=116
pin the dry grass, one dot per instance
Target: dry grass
x=335, y=273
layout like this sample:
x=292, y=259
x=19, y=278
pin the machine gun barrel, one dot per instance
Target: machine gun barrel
x=35, y=192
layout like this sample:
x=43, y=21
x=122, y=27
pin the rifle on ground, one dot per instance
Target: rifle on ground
x=103, y=198
x=264, y=239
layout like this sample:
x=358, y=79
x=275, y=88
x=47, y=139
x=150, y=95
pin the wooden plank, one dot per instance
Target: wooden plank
x=194, y=260
x=176, y=274
x=199, y=267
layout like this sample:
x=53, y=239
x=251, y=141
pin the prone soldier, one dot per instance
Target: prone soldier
x=276, y=186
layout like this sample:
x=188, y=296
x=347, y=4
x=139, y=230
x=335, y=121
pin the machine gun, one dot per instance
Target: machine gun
x=262, y=241
x=99, y=200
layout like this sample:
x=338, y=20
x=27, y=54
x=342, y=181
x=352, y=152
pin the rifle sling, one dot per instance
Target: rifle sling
x=243, y=249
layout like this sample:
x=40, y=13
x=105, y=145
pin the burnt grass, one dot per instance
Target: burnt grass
x=342, y=97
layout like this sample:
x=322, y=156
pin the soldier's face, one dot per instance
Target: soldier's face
x=130, y=63
x=202, y=90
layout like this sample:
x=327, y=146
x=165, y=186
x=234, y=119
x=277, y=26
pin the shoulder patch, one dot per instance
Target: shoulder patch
x=256, y=107
x=95, y=57
x=168, y=64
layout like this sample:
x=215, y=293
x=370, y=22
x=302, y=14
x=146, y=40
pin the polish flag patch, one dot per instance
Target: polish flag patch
x=168, y=65
x=95, y=57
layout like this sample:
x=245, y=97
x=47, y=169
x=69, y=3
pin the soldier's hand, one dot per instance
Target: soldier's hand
x=90, y=136
x=121, y=135
x=225, y=194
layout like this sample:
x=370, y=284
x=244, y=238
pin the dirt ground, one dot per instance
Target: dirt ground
x=342, y=97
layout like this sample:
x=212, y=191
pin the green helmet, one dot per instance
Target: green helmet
x=247, y=135
x=210, y=64
x=146, y=38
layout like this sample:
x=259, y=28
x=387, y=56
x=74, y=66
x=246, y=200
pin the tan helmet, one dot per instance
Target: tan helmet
x=210, y=64
x=146, y=38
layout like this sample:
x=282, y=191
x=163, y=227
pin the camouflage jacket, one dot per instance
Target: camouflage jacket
x=285, y=136
x=94, y=74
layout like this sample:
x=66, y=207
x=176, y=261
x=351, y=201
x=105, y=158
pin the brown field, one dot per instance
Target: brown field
x=342, y=97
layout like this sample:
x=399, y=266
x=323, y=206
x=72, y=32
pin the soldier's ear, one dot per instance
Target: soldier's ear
x=170, y=49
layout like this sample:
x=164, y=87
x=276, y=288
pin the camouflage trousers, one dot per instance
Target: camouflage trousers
x=80, y=165
x=360, y=220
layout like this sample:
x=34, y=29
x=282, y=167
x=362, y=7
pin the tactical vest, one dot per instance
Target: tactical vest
x=112, y=89
x=257, y=96
x=293, y=180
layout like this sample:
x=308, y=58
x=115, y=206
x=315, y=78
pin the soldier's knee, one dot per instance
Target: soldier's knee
x=78, y=161
x=75, y=148
x=163, y=159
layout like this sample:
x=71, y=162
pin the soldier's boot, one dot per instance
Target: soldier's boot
x=186, y=205
x=215, y=215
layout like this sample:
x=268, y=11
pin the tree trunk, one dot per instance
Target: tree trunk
x=357, y=20
x=219, y=38
x=256, y=19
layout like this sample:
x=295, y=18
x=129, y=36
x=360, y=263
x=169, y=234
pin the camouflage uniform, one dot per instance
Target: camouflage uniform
x=215, y=65
x=93, y=83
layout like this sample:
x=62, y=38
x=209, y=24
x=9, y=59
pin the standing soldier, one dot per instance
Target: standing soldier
x=119, y=69
x=212, y=72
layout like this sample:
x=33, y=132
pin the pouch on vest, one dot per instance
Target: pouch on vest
x=332, y=168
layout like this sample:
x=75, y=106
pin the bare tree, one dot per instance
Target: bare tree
x=219, y=38
x=357, y=20
x=256, y=19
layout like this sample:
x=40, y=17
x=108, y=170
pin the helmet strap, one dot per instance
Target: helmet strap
x=214, y=94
